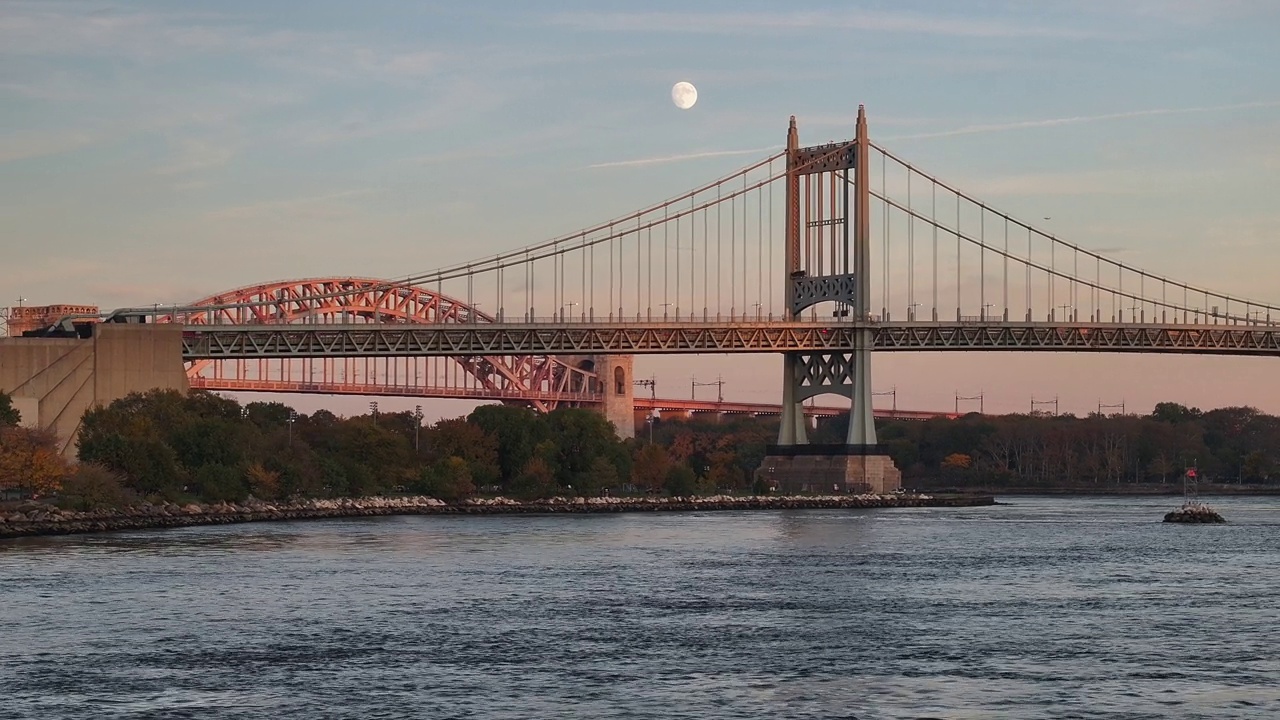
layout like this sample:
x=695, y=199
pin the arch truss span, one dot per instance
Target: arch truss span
x=543, y=382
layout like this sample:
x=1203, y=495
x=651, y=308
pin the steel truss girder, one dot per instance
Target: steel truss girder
x=809, y=291
x=452, y=340
x=821, y=373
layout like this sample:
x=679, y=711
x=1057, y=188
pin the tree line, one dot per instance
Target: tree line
x=1225, y=445
x=204, y=447
x=201, y=446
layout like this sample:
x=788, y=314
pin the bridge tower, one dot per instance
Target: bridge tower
x=828, y=263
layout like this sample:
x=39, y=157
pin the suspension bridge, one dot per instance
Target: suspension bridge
x=822, y=254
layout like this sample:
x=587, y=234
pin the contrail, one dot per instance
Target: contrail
x=1080, y=119
x=680, y=158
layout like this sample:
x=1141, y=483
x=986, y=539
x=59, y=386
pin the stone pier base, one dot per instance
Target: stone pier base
x=829, y=468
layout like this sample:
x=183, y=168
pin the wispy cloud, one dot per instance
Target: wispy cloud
x=864, y=20
x=23, y=146
x=316, y=205
x=664, y=159
x=194, y=155
x=1118, y=181
x=1081, y=119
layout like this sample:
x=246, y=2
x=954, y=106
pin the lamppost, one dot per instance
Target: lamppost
x=569, y=305
x=293, y=417
x=417, y=425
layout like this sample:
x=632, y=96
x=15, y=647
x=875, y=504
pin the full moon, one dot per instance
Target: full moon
x=684, y=95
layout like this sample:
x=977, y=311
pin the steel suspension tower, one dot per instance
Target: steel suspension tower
x=824, y=267
x=828, y=269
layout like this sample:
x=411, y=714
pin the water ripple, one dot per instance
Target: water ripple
x=1043, y=608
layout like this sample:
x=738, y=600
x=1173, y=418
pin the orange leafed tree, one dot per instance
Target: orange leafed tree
x=29, y=460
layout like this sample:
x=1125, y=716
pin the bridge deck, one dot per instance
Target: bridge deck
x=398, y=340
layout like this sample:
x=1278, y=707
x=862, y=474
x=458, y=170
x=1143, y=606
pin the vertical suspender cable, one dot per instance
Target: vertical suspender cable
x=1006, y=268
x=884, y=191
x=733, y=234
x=982, y=260
x=771, y=246
x=911, y=252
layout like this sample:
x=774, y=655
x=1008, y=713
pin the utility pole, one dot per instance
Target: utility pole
x=893, y=392
x=1037, y=403
x=293, y=418
x=977, y=397
x=1103, y=406
x=652, y=384
x=694, y=385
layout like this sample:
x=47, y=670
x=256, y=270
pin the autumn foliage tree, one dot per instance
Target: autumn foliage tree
x=29, y=461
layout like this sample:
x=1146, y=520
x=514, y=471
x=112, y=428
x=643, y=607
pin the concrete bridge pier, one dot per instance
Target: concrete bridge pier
x=614, y=377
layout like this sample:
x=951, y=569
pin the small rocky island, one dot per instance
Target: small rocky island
x=1194, y=512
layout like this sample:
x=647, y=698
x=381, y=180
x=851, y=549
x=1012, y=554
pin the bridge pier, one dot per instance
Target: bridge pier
x=618, y=404
x=53, y=381
x=825, y=270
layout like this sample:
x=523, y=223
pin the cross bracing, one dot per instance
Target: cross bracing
x=300, y=341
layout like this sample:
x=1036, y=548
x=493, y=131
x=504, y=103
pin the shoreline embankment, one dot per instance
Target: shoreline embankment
x=43, y=520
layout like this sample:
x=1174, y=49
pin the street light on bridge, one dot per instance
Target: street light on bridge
x=569, y=305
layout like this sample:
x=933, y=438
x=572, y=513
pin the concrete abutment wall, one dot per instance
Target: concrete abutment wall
x=53, y=381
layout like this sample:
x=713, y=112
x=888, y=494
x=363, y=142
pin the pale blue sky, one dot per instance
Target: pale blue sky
x=160, y=151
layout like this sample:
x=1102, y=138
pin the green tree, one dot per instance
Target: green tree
x=268, y=414
x=215, y=483
x=459, y=438
x=448, y=479
x=9, y=415
x=516, y=432
x=580, y=436
x=681, y=481
x=535, y=481
x=601, y=476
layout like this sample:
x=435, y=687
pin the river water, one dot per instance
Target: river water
x=1042, y=607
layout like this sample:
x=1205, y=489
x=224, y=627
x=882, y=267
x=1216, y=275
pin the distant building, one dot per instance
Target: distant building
x=22, y=319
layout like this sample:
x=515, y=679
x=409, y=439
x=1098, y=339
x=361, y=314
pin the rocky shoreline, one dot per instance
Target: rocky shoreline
x=41, y=520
